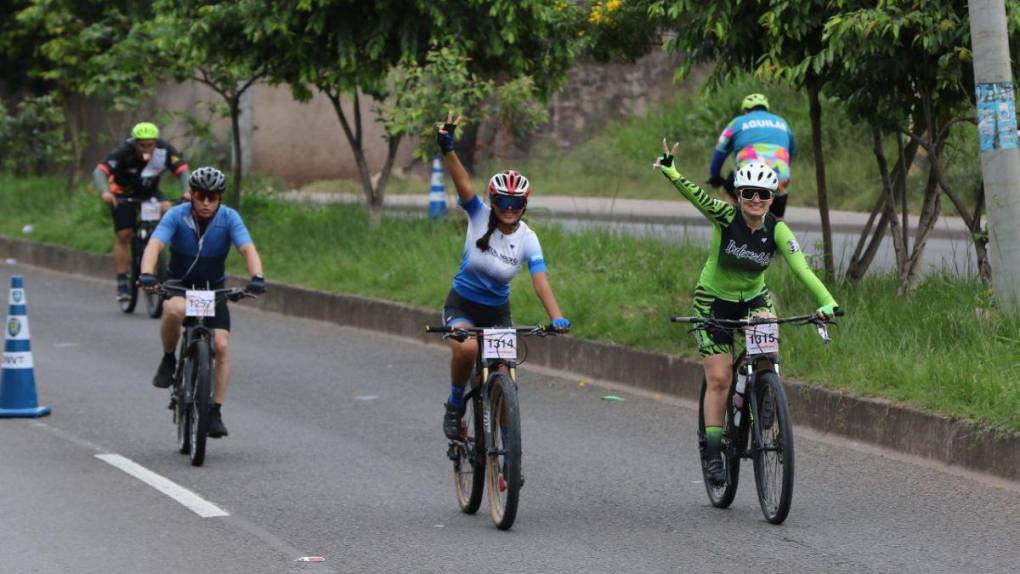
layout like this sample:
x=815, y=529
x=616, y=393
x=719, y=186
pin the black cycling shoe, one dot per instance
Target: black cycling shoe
x=165, y=373
x=451, y=421
x=123, y=293
x=714, y=472
x=216, y=428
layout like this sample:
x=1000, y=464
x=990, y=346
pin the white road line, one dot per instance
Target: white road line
x=194, y=502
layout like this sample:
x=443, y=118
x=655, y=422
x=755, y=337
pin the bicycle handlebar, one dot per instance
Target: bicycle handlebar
x=233, y=294
x=537, y=330
x=736, y=323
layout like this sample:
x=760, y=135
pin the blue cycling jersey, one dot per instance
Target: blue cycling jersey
x=756, y=135
x=199, y=257
x=485, y=276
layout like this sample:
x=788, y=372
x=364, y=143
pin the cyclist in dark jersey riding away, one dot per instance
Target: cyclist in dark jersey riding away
x=134, y=169
x=732, y=283
x=496, y=246
x=200, y=234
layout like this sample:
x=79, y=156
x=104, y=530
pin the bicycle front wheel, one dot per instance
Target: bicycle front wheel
x=773, y=455
x=202, y=387
x=153, y=302
x=504, y=458
x=182, y=411
x=721, y=496
x=128, y=305
x=468, y=456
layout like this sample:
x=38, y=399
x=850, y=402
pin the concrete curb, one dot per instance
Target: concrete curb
x=873, y=421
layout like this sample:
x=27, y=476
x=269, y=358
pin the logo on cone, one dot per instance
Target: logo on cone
x=14, y=326
x=17, y=295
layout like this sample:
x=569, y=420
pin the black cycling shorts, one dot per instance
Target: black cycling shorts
x=714, y=340
x=125, y=215
x=456, y=309
x=220, y=321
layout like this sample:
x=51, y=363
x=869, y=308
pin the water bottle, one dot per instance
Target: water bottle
x=738, y=398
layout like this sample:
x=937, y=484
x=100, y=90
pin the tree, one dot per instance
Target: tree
x=348, y=50
x=88, y=48
x=905, y=71
x=205, y=42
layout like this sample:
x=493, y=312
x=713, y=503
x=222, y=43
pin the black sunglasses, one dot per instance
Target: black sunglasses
x=508, y=202
x=199, y=195
x=748, y=193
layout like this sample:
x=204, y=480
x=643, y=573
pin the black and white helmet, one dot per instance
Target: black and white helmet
x=756, y=174
x=208, y=179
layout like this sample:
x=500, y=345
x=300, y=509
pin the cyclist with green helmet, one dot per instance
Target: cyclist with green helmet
x=755, y=135
x=745, y=238
x=133, y=170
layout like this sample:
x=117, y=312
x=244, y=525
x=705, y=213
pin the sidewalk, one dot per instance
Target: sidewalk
x=639, y=211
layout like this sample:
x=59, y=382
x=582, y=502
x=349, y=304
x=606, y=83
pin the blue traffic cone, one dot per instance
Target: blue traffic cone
x=17, y=377
x=437, y=195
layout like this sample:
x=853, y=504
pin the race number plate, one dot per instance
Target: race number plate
x=499, y=344
x=150, y=211
x=200, y=303
x=762, y=339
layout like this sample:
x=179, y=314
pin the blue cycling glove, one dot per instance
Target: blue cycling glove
x=561, y=324
x=445, y=140
x=147, y=281
x=257, y=285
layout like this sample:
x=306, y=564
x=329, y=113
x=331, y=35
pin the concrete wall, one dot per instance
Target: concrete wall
x=302, y=142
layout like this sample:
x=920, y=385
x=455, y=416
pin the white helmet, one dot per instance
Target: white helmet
x=756, y=174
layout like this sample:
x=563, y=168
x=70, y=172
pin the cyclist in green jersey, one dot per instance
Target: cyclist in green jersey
x=745, y=238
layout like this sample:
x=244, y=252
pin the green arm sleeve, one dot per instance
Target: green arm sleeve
x=788, y=245
x=715, y=210
x=99, y=180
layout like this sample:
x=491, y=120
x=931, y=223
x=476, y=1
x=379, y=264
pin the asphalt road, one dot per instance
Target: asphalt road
x=336, y=451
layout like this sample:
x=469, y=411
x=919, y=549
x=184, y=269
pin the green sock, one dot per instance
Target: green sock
x=713, y=437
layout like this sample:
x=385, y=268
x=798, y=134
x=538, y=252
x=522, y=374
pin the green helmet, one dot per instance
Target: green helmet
x=145, y=131
x=753, y=101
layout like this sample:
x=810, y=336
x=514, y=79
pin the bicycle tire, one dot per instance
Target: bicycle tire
x=128, y=305
x=182, y=413
x=153, y=302
x=503, y=467
x=774, y=456
x=202, y=387
x=469, y=468
x=721, y=496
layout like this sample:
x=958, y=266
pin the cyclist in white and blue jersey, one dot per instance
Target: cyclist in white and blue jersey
x=200, y=234
x=498, y=243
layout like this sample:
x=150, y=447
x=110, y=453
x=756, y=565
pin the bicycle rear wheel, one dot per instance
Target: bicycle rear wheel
x=469, y=457
x=722, y=496
x=202, y=387
x=153, y=302
x=773, y=457
x=504, y=460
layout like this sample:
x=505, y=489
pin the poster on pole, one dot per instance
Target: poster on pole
x=996, y=114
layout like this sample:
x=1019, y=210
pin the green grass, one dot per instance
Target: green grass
x=946, y=349
x=617, y=160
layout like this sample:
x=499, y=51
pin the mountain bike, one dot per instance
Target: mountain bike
x=484, y=454
x=757, y=419
x=192, y=388
x=148, y=215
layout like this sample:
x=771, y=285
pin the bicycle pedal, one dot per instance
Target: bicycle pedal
x=453, y=452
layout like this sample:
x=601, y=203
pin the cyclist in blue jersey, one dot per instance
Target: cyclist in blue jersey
x=496, y=246
x=200, y=234
x=755, y=135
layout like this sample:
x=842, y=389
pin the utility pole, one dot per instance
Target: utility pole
x=1000, y=158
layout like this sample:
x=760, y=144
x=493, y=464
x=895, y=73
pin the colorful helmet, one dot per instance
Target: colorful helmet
x=756, y=174
x=510, y=183
x=753, y=101
x=145, y=131
x=208, y=179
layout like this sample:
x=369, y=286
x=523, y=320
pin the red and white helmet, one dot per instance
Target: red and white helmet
x=510, y=183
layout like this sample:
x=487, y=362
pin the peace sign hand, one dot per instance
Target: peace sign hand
x=665, y=162
x=445, y=132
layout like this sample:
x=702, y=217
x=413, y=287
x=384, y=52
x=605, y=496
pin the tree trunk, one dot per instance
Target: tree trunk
x=467, y=146
x=235, y=166
x=823, y=193
x=74, y=115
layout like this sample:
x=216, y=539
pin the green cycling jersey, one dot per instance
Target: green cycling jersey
x=735, y=270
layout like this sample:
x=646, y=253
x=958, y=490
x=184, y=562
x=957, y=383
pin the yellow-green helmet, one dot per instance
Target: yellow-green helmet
x=753, y=101
x=145, y=131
